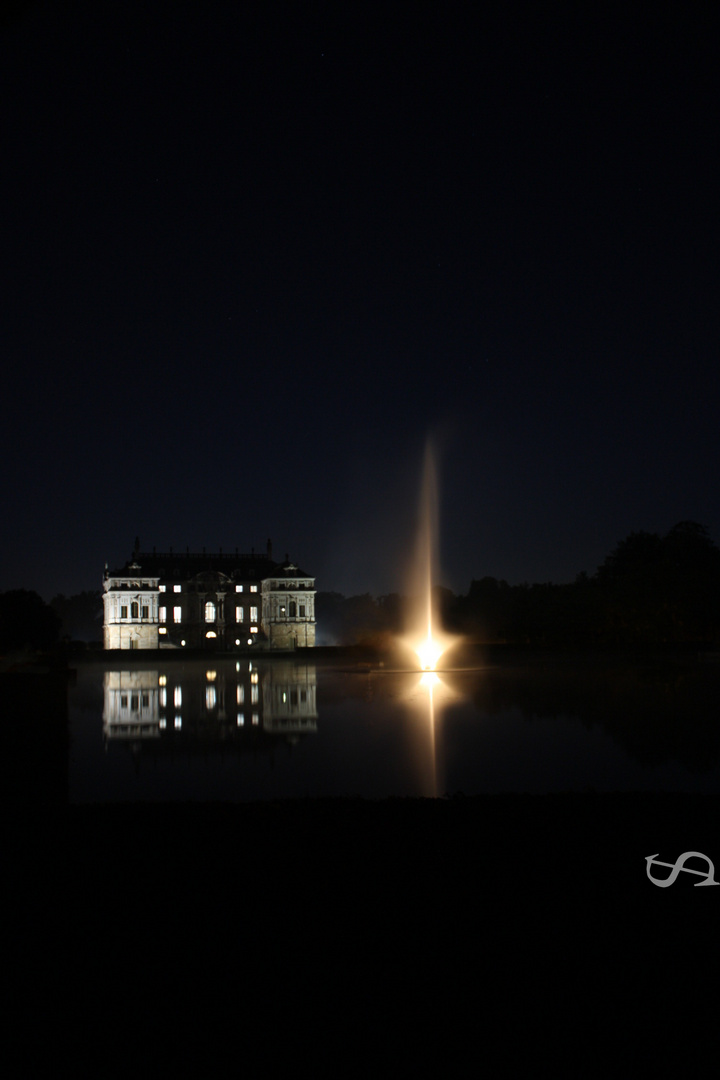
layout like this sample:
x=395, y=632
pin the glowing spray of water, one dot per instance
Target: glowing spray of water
x=429, y=642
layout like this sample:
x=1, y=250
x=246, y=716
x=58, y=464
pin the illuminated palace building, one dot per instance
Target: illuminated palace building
x=218, y=601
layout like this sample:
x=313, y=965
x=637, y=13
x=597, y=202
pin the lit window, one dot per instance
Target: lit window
x=255, y=694
x=177, y=588
x=211, y=676
x=210, y=697
x=163, y=614
x=162, y=630
x=162, y=723
x=238, y=588
x=178, y=722
x=177, y=614
x=177, y=697
x=255, y=718
x=253, y=629
x=162, y=680
x=209, y=611
x=240, y=694
x=239, y=614
x=211, y=634
x=163, y=696
x=253, y=588
x=161, y=588
x=241, y=719
x=253, y=614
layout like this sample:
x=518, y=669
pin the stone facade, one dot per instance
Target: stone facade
x=130, y=602
x=289, y=608
x=219, y=602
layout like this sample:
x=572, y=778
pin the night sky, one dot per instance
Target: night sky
x=255, y=254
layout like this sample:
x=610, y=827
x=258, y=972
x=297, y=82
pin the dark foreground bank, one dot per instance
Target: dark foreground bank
x=577, y=860
x=516, y=925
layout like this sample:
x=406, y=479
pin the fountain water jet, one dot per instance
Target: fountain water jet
x=425, y=637
x=428, y=642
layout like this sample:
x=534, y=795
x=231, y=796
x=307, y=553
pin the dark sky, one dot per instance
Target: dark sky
x=254, y=254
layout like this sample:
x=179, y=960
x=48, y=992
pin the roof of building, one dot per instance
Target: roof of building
x=288, y=570
x=181, y=566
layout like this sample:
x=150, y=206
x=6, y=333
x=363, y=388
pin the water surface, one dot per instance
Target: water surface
x=275, y=729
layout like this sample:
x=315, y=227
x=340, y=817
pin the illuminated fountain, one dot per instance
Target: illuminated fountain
x=427, y=640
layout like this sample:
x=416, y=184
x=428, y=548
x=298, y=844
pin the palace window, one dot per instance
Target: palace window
x=293, y=609
x=209, y=611
x=145, y=612
x=134, y=610
x=123, y=611
x=302, y=611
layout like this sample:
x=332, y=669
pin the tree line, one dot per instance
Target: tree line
x=651, y=589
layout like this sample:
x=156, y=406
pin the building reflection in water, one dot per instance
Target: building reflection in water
x=238, y=703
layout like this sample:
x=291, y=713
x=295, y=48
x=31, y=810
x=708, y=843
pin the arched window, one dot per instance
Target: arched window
x=209, y=612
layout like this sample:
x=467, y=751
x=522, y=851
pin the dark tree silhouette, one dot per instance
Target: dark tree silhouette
x=26, y=621
x=81, y=615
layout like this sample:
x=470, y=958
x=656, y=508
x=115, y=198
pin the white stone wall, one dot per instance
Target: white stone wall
x=283, y=600
x=130, y=613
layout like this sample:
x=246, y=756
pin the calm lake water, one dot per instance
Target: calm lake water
x=246, y=730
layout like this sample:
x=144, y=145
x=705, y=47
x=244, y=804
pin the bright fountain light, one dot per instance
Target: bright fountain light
x=429, y=652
